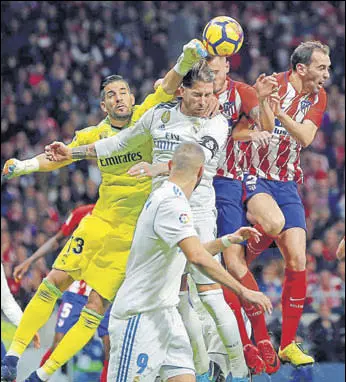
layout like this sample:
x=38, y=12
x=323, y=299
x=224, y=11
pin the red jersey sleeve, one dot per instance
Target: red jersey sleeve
x=74, y=218
x=315, y=114
x=248, y=97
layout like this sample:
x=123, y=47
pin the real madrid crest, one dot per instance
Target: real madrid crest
x=166, y=116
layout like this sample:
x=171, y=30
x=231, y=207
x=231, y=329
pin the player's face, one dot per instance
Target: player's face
x=220, y=67
x=118, y=101
x=317, y=73
x=196, y=99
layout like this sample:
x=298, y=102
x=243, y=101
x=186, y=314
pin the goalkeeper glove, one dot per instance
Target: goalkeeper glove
x=192, y=53
x=14, y=167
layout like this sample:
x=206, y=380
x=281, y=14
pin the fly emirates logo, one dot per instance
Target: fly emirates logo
x=120, y=159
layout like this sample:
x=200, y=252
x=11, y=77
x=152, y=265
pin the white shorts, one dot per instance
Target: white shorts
x=206, y=229
x=147, y=345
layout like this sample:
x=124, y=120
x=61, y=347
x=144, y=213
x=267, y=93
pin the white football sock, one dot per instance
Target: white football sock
x=227, y=328
x=194, y=330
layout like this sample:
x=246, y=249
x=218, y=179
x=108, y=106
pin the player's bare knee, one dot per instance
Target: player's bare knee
x=60, y=279
x=274, y=226
x=296, y=263
x=96, y=303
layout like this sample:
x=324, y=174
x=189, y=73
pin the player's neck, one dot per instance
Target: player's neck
x=185, y=185
x=118, y=123
x=296, y=82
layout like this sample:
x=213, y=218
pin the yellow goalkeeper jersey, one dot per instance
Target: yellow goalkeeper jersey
x=121, y=196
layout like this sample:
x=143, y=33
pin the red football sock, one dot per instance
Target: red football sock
x=46, y=356
x=255, y=314
x=103, y=377
x=234, y=303
x=293, y=298
x=253, y=249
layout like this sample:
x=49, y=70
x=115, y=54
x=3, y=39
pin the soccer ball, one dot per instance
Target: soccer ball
x=223, y=36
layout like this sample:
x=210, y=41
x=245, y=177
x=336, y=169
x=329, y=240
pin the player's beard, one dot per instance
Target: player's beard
x=121, y=117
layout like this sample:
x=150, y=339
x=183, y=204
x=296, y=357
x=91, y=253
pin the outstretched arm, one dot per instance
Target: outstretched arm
x=14, y=167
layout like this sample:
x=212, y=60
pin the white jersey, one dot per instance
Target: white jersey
x=155, y=264
x=167, y=127
x=8, y=304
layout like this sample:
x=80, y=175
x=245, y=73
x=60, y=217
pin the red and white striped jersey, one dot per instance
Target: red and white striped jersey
x=238, y=99
x=80, y=287
x=280, y=160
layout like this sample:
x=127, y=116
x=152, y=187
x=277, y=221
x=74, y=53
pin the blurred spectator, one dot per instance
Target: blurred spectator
x=54, y=55
x=323, y=334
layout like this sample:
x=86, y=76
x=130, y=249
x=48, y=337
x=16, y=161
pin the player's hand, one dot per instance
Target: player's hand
x=37, y=341
x=13, y=168
x=262, y=138
x=244, y=233
x=21, y=269
x=257, y=298
x=275, y=104
x=266, y=85
x=142, y=169
x=58, y=152
x=193, y=51
x=213, y=108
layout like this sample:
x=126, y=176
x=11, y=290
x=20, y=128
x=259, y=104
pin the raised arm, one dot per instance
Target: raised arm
x=134, y=136
x=263, y=115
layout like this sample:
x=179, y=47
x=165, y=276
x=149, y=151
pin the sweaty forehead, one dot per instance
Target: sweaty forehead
x=116, y=86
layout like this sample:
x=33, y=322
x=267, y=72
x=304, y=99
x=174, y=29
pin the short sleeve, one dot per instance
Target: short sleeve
x=248, y=97
x=316, y=111
x=173, y=221
x=150, y=101
x=74, y=219
x=85, y=137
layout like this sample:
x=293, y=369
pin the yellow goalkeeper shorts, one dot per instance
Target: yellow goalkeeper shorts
x=97, y=252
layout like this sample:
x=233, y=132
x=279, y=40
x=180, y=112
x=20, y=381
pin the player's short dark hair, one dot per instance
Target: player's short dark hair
x=303, y=52
x=199, y=72
x=109, y=80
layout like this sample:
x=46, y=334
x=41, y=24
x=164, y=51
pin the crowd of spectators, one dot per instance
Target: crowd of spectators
x=54, y=55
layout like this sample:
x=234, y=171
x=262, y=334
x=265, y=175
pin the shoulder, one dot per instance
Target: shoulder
x=243, y=86
x=166, y=105
x=219, y=120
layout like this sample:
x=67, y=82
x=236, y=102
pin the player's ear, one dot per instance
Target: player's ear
x=200, y=172
x=170, y=165
x=132, y=99
x=227, y=65
x=103, y=106
x=301, y=69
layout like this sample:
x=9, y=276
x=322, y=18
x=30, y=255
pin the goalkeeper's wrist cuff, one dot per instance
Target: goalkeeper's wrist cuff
x=31, y=165
x=226, y=242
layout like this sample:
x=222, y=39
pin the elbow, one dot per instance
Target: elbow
x=306, y=142
x=195, y=258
